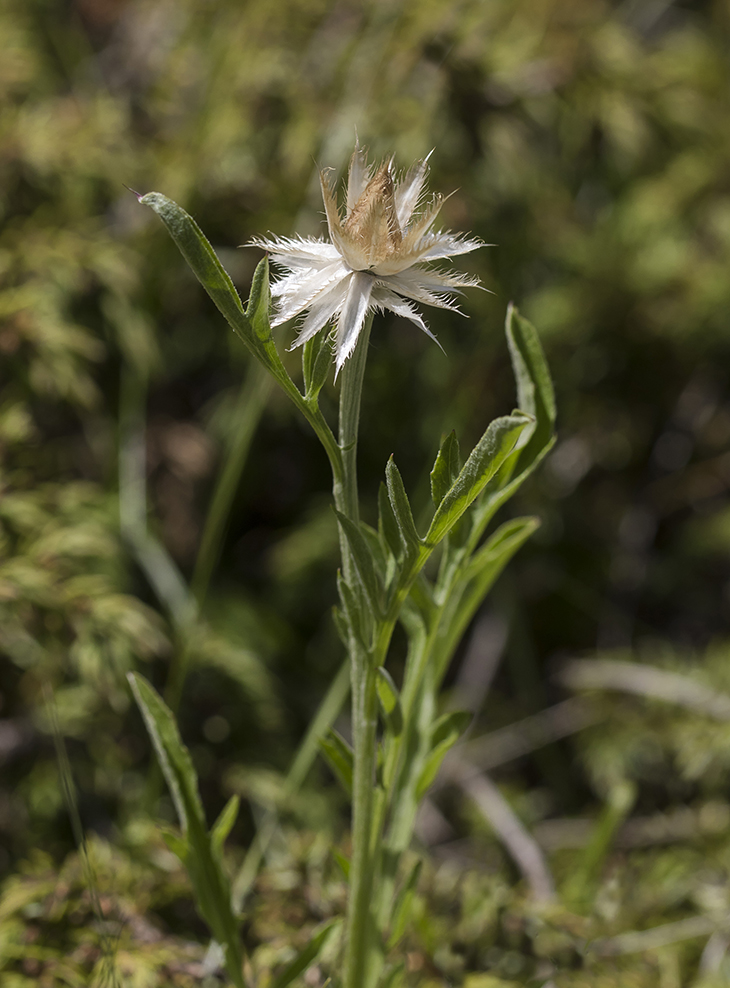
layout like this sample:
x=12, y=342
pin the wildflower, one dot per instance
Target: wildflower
x=376, y=258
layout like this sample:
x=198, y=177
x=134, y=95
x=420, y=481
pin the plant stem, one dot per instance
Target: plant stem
x=345, y=486
x=364, y=696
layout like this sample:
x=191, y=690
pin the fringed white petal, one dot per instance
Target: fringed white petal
x=436, y=280
x=420, y=293
x=447, y=244
x=352, y=316
x=298, y=294
x=297, y=251
x=408, y=192
x=321, y=311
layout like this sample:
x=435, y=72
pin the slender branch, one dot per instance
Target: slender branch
x=363, y=671
x=521, y=845
x=508, y=743
x=646, y=680
x=249, y=408
x=659, y=936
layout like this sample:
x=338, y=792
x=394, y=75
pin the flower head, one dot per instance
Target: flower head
x=377, y=256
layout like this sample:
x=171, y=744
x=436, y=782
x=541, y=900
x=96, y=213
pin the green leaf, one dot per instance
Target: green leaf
x=211, y=274
x=480, y=575
x=259, y=302
x=317, y=356
x=375, y=545
x=389, y=701
x=362, y=558
x=222, y=827
x=535, y=394
x=173, y=756
x=351, y=609
x=483, y=463
x=446, y=468
x=199, y=850
x=446, y=732
x=449, y=727
x=178, y=845
x=486, y=565
x=342, y=625
x=401, y=508
x=343, y=862
x=387, y=525
x=306, y=957
x=393, y=975
x=338, y=755
x=403, y=903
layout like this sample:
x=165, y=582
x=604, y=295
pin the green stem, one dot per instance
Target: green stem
x=344, y=482
x=363, y=673
x=249, y=408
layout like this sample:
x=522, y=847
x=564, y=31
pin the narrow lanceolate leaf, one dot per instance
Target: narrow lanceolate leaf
x=389, y=701
x=387, y=525
x=222, y=826
x=486, y=565
x=484, y=461
x=259, y=302
x=211, y=274
x=446, y=468
x=401, y=508
x=377, y=551
x=177, y=844
x=342, y=624
x=317, y=357
x=535, y=394
x=446, y=732
x=351, y=609
x=173, y=756
x=403, y=904
x=343, y=862
x=307, y=956
x=338, y=755
x=200, y=852
x=362, y=558
x=481, y=573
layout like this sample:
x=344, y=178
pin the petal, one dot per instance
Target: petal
x=305, y=277
x=321, y=311
x=296, y=295
x=424, y=221
x=383, y=298
x=408, y=191
x=419, y=293
x=352, y=316
x=296, y=251
x=446, y=244
x=419, y=278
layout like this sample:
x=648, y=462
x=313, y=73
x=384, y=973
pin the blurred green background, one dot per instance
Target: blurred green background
x=590, y=143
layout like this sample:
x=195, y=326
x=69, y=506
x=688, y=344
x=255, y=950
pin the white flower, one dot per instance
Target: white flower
x=373, y=260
